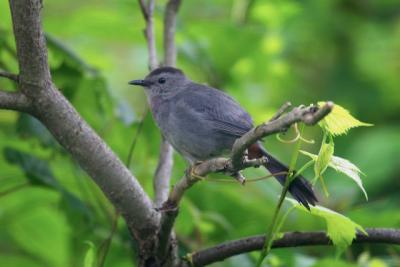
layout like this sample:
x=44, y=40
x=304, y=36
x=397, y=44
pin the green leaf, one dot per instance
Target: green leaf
x=346, y=167
x=340, y=229
x=90, y=256
x=339, y=121
x=343, y=166
x=324, y=157
x=36, y=170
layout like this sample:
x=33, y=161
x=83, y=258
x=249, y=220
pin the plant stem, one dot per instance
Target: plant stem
x=289, y=178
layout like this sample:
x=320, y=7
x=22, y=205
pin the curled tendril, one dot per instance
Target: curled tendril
x=297, y=137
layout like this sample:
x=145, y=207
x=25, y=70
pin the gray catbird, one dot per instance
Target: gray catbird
x=201, y=122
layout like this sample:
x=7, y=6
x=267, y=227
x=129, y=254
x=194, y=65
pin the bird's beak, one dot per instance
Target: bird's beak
x=143, y=83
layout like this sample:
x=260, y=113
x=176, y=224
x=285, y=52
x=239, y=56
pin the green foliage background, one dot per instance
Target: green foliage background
x=301, y=51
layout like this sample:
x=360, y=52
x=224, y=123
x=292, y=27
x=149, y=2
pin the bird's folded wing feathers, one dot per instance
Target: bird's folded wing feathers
x=222, y=112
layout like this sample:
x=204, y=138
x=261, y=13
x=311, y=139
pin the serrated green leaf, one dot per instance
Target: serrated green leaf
x=339, y=228
x=349, y=169
x=324, y=157
x=90, y=256
x=340, y=121
x=343, y=166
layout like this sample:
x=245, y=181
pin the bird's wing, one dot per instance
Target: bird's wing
x=221, y=111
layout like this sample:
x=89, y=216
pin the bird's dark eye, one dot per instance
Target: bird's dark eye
x=161, y=80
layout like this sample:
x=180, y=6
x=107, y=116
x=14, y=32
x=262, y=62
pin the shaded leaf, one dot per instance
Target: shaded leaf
x=36, y=170
x=28, y=126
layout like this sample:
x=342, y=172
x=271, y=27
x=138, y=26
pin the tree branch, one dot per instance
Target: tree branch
x=148, y=11
x=14, y=101
x=8, y=75
x=169, y=32
x=73, y=133
x=289, y=239
x=309, y=115
x=162, y=174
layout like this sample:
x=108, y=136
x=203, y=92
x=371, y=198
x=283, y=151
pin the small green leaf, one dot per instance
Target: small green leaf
x=339, y=121
x=90, y=256
x=324, y=157
x=340, y=229
x=344, y=166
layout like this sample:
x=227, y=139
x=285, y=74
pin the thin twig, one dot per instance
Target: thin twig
x=9, y=75
x=14, y=189
x=169, y=32
x=281, y=110
x=143, y=8
x=105, y=245
x=135, y=138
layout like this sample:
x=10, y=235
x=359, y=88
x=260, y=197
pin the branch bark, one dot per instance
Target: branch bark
x=9, y=75
x=14, y=101
x=171, y=10
x=73, y=133
x=289, y=239
x=147, y=12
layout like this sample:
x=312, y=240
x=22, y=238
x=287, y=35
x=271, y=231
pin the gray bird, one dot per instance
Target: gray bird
x=201, y=122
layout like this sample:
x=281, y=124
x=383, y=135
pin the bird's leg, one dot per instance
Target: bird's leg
x=254, y=162
x=191, y=172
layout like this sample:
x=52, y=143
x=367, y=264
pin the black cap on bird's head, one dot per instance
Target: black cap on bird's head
x=160, y=76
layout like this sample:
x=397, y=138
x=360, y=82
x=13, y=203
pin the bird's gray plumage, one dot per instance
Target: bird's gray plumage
x=202, y=122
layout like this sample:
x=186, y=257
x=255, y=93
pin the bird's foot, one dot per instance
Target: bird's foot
x=192, y=171
x=239, y=177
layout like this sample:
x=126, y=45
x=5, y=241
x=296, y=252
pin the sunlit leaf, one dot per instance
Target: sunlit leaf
x=343, y=166
x=340, y=121
x=90, y=256
x=339, y=228
x=324, y=157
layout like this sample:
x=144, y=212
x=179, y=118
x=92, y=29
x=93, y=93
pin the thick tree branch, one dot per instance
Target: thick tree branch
x=9, y=75
x=14, y=101
x=290, y=239
x=72, y=132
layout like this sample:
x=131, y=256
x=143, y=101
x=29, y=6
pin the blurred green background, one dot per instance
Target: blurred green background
x=263, y=53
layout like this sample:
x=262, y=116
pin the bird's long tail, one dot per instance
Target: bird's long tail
x=299, y=188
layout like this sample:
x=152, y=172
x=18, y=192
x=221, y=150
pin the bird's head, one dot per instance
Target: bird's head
x=163, y=81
